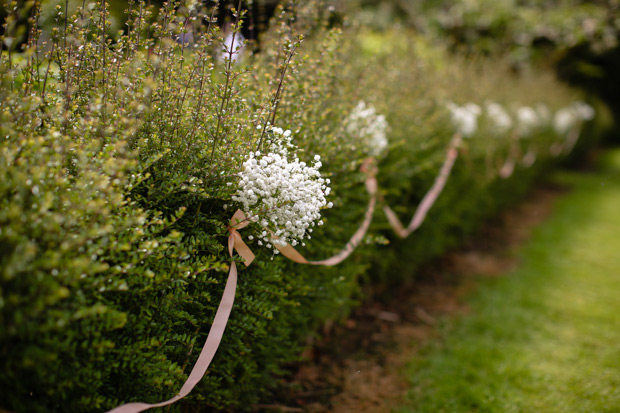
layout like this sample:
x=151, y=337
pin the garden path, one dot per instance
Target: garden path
x=524, y=318
x=546, y=337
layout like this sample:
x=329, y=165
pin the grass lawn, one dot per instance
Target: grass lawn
x=546, y=336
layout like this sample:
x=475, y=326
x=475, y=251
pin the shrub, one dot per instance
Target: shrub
x=116, y=154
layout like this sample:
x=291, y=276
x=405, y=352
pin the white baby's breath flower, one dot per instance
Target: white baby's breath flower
x=499, y=117
x=464, y=118
x=369, y=127
x=570, y=116
x=584, y=111
x=563, y=120
x=284, y=196
x=527, y=120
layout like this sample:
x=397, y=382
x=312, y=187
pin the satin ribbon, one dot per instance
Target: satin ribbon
x=369, y=168
x=556, y=149
x=216, y=332
x=529, y=158
x=508, y=167
x=431, y=196
x=571, y=140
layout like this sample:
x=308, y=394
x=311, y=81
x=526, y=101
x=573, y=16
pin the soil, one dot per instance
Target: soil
x=357, y=365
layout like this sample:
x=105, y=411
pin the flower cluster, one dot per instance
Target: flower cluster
x=500, y=119
x=370, y=127
x=528, y=119
x=464, y=118
x=284, y=197
x=568, y=117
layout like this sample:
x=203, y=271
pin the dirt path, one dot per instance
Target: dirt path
x=356, y=367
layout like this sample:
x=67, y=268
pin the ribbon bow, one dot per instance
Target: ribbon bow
x=238, y=221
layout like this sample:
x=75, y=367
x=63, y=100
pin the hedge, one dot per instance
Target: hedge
x=120, y=157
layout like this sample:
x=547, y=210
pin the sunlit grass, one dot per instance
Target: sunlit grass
x=546, y=337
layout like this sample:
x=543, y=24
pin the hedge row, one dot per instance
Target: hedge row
x=119, y=159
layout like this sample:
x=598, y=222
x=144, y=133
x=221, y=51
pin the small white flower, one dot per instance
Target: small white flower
x=370, y=128
x=563, y=120
x=527, y=120
x=584, y=111
x=464, y=118
x=568, y=117
x=500, y=119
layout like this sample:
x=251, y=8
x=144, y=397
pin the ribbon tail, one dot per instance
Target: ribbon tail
x=355, y=239
x=242, y=249
x=571, y=140
x=440, y=182
x=507, y=169
x=291, y=253
x=394, y=222
x=207, y=353
x=529, y=158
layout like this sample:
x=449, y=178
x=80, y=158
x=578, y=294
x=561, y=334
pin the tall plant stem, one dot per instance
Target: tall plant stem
x=104, y=46
x=229, y=81
x=190, y=135
x=276, y=97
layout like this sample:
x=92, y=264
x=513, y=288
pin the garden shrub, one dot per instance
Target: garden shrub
x=120, y=157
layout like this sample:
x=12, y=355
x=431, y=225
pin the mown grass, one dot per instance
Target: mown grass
x=545, y=337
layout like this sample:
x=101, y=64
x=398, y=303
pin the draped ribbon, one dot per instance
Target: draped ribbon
x=571, y=140
x=431, y=196
x=529, y=158
x=556, y=149
x=508, y=167
x=219, y=322
x=292, y=254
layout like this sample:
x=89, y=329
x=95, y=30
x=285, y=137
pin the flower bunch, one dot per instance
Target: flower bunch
x=499, y=117
x=284, y=196
x=465, y=118
x=528, y=119
x=583, y=110
x=370, y=127
x=567, y=117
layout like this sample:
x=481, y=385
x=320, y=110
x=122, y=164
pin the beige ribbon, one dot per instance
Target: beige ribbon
x=508, y=167
x=431, y=196
x=369, y=168
x=529, y=158
x=219, y=322
x=556, y=149
x=571, y=140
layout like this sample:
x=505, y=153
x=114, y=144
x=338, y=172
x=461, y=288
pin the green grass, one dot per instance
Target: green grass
x=545, y=337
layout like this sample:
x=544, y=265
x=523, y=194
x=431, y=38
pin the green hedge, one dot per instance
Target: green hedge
x=115, y=156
